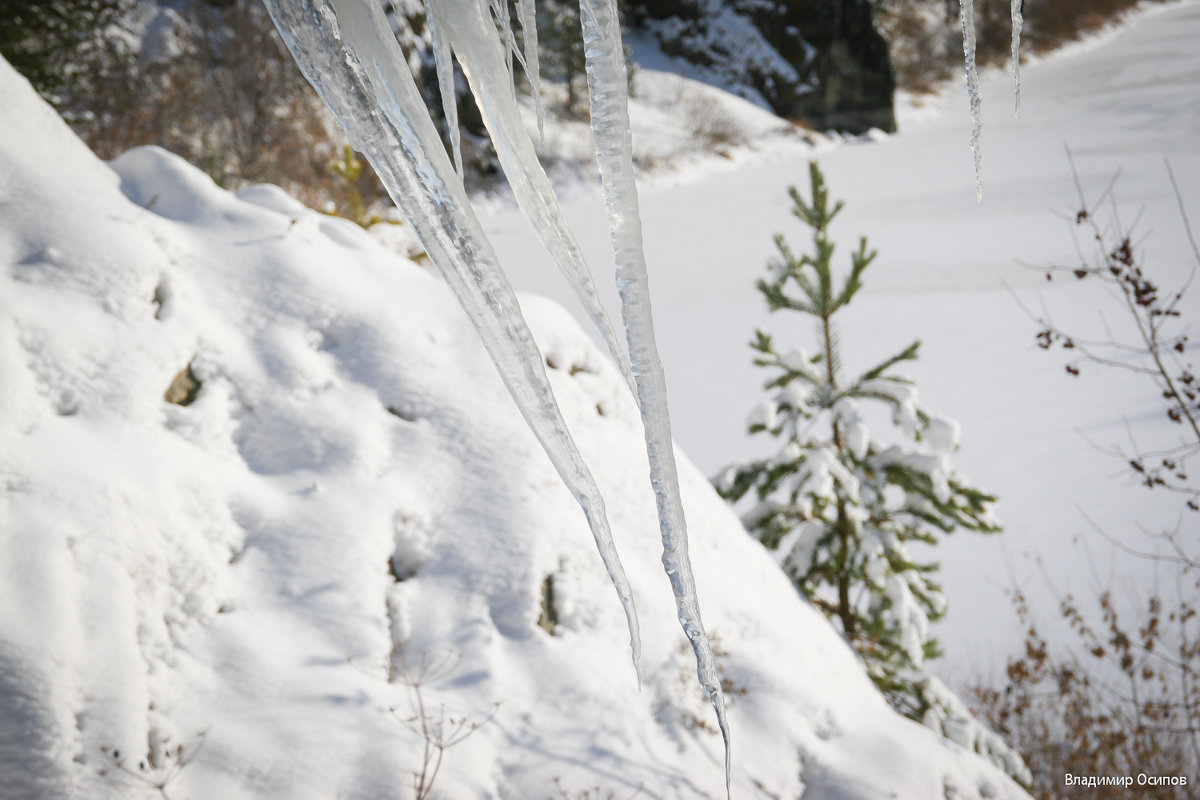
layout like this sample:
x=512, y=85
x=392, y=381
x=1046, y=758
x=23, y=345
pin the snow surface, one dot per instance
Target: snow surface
x=351, y=495
x=1125, y=99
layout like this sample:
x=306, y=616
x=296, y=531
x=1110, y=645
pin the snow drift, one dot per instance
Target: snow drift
x=341, y=501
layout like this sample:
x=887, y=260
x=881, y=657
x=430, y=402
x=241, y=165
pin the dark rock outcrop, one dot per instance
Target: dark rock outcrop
x=818, y=61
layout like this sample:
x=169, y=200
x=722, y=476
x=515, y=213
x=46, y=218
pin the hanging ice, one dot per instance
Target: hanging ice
x=445, y=73
x=527, y=13
x=1018, y=22
x=346, y=50
x=471, y=35
x=500, y=14
x=608, y=93
x=967, y=8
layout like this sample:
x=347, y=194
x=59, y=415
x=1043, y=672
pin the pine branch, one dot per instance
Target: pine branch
x=859, y=261
x=907, y=354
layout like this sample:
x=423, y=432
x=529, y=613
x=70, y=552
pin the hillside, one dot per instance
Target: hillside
x=257, y=479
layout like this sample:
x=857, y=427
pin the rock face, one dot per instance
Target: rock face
x=818, y=61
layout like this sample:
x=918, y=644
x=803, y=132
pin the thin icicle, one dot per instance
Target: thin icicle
x=968, y=28
x=445, y=74
x=348, y=53
x=527, y=12
x=500, y=12
x=1018, y=22
x=473, y=39
x=608, y=92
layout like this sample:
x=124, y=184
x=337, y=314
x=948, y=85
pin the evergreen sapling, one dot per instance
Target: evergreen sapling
x=839, y=509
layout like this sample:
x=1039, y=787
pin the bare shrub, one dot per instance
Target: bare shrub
x=925, y=49
x=712, y=128
x=216, y=86
x=1052, y=24
x=1156, y=350
x=1123, y=701
x=925, y=40
x=1120, y=698
x=689, y=716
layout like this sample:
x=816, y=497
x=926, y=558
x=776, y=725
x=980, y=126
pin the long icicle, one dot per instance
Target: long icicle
x=527, y=13
x=445, y=74
x=1018, y=23
x=967, y=8
x=472, y=36
x=346, y=50
x=500, y=13
x=608, y=93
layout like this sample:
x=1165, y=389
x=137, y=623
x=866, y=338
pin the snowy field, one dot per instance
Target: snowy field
x=947, y=273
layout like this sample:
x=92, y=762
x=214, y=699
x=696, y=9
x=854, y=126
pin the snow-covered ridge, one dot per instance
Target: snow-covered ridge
x=351, y=493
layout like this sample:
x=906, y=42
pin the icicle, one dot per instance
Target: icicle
x=473, y=38
x=527, y=12
x=445, y=74
x=608, y=92
x=348, y=53
x=968, y=27
x=500, y=12
x=1018, y=22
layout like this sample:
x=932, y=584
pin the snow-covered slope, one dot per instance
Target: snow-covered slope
x=350, y=505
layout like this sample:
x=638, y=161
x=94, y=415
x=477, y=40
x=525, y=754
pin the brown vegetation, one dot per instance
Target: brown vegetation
x=215, y=85
x=1121, y=698
x=925, y=37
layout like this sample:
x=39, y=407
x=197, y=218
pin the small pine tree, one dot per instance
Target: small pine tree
x=839, y=509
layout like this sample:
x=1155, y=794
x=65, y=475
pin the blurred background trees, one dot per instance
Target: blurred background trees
x=47, y=41
x=211, y=81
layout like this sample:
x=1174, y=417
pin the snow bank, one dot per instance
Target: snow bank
x=348, y=503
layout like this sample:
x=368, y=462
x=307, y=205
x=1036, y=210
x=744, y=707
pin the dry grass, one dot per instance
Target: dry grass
x=926, y=39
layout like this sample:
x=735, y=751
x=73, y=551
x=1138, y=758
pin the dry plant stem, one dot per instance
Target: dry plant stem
x=438, y=733
x=1179, y=559
x=149, y=776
